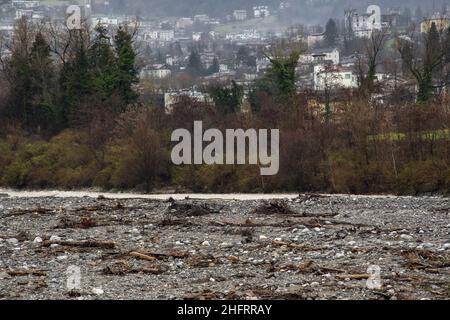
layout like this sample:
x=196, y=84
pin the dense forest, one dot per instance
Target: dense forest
x=72, y=116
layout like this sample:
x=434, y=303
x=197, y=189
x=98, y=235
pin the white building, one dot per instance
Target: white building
x=261, y=11
x=202, y=18
x=161, y=35
x=172, y=98
x=157, y=71
x=105, y=21
x=334, y=77
x=25, y=4
x=245, y=35
x=363, y=25
x=184, y=23
x=197, y=36
x=262, y=64
x=321, y=56
x=166, y=35
x=240, y=15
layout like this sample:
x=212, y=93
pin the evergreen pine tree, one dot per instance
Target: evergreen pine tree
x=102, y=62
x=126, y=73
x=42, y=82
x=331, y=34
x=215, y=67
x=195, y=67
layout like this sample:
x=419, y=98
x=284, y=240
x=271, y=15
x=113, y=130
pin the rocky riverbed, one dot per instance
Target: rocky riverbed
x=306, y=247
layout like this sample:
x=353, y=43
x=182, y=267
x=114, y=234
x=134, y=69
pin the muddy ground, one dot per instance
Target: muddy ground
x=310, y=247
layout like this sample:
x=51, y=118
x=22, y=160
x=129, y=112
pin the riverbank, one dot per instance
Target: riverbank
x=303, y=247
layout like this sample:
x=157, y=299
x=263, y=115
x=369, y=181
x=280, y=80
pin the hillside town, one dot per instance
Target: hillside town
x=181, y=56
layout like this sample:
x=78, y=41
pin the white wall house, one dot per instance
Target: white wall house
x=161, y=35
x=172, y=98
x=261, y=11
x=158, y=71
x=240, y=15
x=105, y=21
x=363, y=25
x=334, y=77
x=321, y=56
x=184, y=23
x=25, y=4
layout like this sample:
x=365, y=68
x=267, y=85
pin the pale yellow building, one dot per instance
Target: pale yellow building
x=442, y=23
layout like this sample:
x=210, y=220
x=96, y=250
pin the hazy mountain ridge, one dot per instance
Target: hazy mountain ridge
x=221, y=8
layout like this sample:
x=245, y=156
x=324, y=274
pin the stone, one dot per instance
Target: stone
x=206, y=244
x=12, y=241
x=55, y=238
x=97, y=291
x=37, y=240
x=406, y=237
x=226, y=245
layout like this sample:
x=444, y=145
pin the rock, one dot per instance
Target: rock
x=55, y=238
x=4, y=195
x=262, y=237
x=4, y=275
x=352, y=243
x=342, y=234
x=97, y=291
x=12, y=241
x=206, y=244
x=37, y=240
x=278, y=239
x=295, y=289
x=61, y=258
x=406, y=237
x=226, y=245
x=446, y=246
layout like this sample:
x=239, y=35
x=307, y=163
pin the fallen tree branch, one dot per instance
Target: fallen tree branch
x=24, y=273
x=141, y=256
x=352, y=276
x=82, y=244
